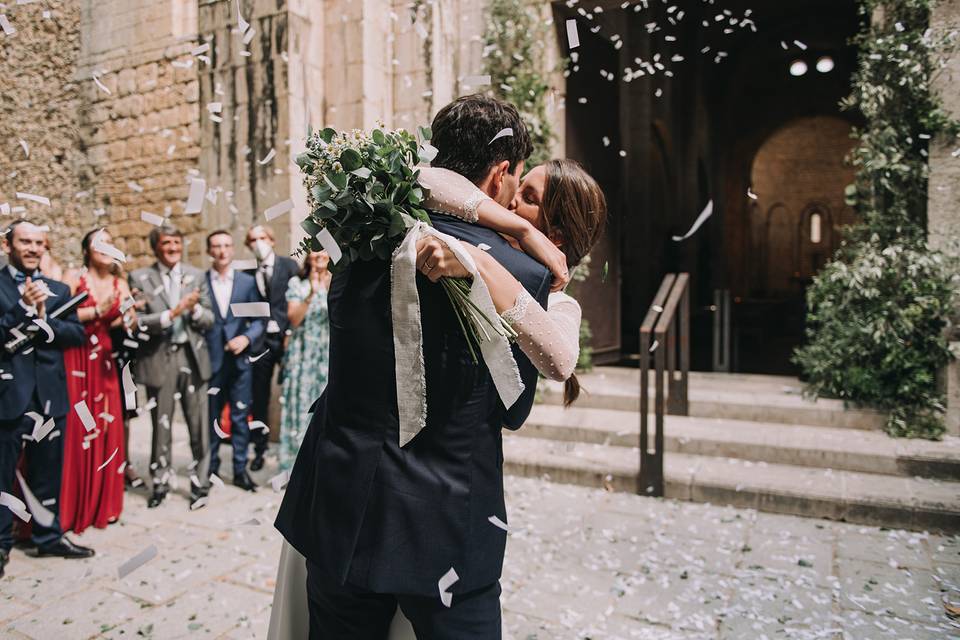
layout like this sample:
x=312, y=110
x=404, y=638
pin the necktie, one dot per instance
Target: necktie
x=263, y=280
x=173, y=292
x=20, y=277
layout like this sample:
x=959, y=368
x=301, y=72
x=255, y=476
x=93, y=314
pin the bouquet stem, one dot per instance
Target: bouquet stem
x=471, y=317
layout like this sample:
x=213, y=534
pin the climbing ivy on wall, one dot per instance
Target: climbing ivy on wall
x=877, y=312
x=516, y=54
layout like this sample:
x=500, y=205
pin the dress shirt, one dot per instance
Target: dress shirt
x=222, y=289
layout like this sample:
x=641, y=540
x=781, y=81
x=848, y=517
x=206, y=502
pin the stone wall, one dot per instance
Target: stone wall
x=39, y=102
x=141, y=129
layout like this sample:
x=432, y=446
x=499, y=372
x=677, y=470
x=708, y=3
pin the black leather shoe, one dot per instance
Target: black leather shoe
x=257, y=463
x=4, y=558
x=155, y=499
x=244, y=481
x=63, y=548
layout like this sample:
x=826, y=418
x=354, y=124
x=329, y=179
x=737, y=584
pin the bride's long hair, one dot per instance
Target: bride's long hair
x=574, y=210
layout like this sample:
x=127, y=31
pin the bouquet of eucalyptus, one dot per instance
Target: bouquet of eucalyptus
x=364, y=195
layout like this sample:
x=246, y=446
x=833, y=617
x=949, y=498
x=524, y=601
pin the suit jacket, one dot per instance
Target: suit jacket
x=226, y=329
x=41, y=371
x=364, y=511
x=284, y=268
x=153, y=365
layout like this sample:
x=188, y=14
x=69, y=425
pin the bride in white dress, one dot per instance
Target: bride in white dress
x=558, y=215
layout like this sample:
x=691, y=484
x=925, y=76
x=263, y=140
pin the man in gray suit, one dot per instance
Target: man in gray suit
x=174, y=363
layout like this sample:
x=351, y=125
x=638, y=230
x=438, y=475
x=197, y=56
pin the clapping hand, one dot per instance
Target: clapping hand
x=187, y=302
x=35, y=294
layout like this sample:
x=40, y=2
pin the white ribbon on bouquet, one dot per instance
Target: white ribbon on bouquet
x=408, y=333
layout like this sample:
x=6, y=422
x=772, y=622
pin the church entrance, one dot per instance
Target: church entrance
x=675, y=106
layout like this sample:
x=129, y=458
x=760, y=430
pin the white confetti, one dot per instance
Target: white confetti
x=497, y=522
x=503, y=133
x=573, y=38
x=40, y=322
x=212, y=391
x=444, y=583
x=241, y=23
x=326, y=240
x=201, y=49
x=215, y=107
x=223, y=435
x=15, y=504
x=34, y=198
x=257, y=424
x=6, y=26
x=706, y=213
x=134, y=186
x=278, y=209
x=26, y=147
x=151, y=218
x=258, y=356
x=108, y=460
x=268, y=157
x=129, y=388
x=99, y=244
x=137, y=561
x=198, y=189
x=83, y=412
x=250, y=309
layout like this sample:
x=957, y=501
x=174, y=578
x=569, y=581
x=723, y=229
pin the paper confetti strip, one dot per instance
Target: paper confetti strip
x=41, y=514
x=6, y=26
x=325, y=238
x=706, y=213
x=269, y=157
x=83, y=412
x=250, y=309
x=108, y=460
x=444, y=583
x=573, y=36
x=151, y=218
x=137, y=561
x=198, y=189
x=278, y=209
x=33, y=198
x=497, y=522
x=279, y=481
x=99, y=244
x=503, y=133
x=15, y=504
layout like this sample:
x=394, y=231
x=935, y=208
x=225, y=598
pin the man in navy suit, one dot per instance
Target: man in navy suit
x=272, y=275
x=26, y=296
x=381, y=525
x=229, y=341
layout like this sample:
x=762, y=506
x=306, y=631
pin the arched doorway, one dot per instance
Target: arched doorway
x=797, y=181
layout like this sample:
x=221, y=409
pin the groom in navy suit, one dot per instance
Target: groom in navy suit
x=381, y=525
x=33, y=380
x=229, y=341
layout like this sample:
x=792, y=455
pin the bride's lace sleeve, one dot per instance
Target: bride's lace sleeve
x=551, y=338
x=451, y=193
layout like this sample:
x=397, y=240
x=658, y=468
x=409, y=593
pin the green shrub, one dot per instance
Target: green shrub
x=875, y=332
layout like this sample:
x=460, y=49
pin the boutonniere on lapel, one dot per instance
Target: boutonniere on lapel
x=187, y=279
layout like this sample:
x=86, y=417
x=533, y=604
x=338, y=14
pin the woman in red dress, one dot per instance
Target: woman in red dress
x=91, y=492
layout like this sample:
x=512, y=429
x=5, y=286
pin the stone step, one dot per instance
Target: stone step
x=862, y=498
x=758, y=398
x=839, y=449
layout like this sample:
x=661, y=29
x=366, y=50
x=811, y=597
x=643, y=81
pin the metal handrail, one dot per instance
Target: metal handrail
x=668, y=323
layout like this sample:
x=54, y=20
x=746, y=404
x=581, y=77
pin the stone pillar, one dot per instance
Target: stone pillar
x=943, y=216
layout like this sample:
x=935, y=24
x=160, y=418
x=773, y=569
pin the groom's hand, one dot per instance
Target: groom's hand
x=435, y=260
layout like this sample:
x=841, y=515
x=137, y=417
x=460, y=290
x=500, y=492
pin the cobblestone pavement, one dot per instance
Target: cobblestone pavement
x=581, y=563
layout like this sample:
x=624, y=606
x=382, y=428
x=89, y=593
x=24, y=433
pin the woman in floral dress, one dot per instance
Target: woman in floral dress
x=306, y=355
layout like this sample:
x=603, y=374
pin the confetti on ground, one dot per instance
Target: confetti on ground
x=137, y=561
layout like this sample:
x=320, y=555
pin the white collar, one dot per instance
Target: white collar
x=269, y=260
x=226, y=276
x=14, y=271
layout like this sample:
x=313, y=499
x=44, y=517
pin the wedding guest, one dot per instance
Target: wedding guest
x=91, y=492
x=175, y=362
x=304, y=373
x=35, y=385
x=272, y=274
x=229, y=341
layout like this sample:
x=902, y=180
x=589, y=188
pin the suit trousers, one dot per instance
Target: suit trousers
x=351, y=613
x=186, y=381
x=263, y=386
x=235, y=384
x=44, y=464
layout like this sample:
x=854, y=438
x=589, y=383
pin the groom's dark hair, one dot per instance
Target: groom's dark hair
x=463, y=133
